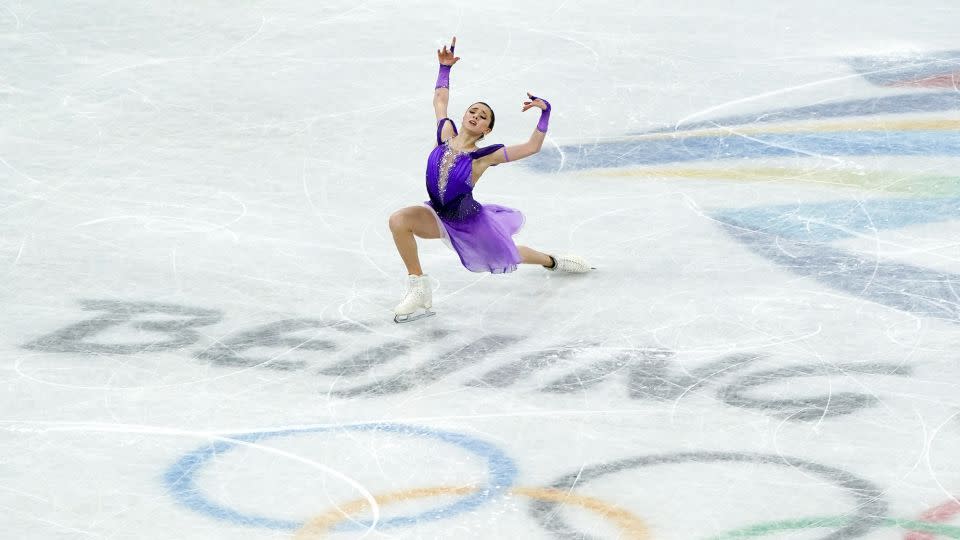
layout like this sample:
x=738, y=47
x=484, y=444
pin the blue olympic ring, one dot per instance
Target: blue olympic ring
x=179, y=479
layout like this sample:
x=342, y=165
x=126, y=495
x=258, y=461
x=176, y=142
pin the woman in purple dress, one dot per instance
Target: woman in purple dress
x=480, y=234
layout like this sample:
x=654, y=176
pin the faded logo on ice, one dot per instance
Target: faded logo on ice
x=321, y=348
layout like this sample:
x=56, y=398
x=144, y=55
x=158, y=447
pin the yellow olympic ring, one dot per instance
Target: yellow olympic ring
x=633, y=527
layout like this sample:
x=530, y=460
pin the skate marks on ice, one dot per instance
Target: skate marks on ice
x=854, y=140
x=180, y=332
x=720, y=139
x=432, y=370
x=867, y=505
x=934, y=69
x=868, y=126
x=275, y=335
x=866, y=511
x=630, y=526
x=181, y=479
x=797, y=237
x=807, y=408
x=329, y=349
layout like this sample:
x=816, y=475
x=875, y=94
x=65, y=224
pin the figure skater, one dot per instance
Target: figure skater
x=480, y=234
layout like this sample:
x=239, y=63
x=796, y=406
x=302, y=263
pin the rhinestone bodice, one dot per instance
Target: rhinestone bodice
x=482, y=235
x=449, y=183
x=450, y=178
x=447, y=160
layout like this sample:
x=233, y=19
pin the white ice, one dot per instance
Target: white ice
x=198, y=277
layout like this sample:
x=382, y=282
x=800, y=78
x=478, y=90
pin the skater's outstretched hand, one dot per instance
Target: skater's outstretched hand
x=534, y=102
x=446, y=57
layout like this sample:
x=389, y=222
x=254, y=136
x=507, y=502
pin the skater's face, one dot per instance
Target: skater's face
x=478, y=119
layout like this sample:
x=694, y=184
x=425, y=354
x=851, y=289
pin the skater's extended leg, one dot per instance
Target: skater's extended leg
x=532, y=256
x=407, y=223
x=555, y=263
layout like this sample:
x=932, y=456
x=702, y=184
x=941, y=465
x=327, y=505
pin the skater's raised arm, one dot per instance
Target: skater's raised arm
x=441, y=95
x=532, y=146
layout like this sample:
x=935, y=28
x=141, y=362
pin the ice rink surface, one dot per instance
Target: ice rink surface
x=198, y=277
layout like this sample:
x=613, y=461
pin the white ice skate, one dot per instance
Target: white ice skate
x=417, y=302
x=570, y=264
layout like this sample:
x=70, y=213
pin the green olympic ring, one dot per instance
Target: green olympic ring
x=763, y=529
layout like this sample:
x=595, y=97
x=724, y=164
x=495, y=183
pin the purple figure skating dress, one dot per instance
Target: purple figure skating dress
x=480, y=234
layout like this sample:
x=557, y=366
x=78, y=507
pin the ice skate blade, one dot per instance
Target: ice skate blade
x=558, y=273
x=401, y=319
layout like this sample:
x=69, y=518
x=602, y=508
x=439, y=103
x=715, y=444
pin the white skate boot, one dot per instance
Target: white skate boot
x=419, y=297
x=570, y=264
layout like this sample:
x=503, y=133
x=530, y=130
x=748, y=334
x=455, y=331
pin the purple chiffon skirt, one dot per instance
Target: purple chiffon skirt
x=484, y=241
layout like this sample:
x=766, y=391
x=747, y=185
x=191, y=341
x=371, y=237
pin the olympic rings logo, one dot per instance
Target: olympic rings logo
x=633, y=528
x=868, y=508
x=501, y=473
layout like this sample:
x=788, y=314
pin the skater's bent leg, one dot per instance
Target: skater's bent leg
x=532, y=256
x=405, y=224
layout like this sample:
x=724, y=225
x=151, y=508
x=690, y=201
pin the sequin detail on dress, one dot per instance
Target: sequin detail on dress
x=480, y=234
x=448, y=160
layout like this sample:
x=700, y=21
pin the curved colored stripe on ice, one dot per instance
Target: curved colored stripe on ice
x=865, y=124
x=884, y=181
x=826, y=222
x=921, y=102
x=765, y=145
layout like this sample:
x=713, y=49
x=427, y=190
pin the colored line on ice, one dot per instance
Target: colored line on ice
x=920, y=102
x=894, y=70
x=660, y=151
x=764, y=529
x=826, y=222
x=797, y=237
x=865, y=514
x=180, y=477
x=868, y=124
x=886, y=181
x=924, y=292
x=632, y=527
x=951, y=80
x=938, y=514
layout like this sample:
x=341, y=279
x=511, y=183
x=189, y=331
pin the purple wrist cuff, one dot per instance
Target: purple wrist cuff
x=544, y=116
x=443, y=78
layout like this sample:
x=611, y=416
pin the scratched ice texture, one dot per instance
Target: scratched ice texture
x=196, y=336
